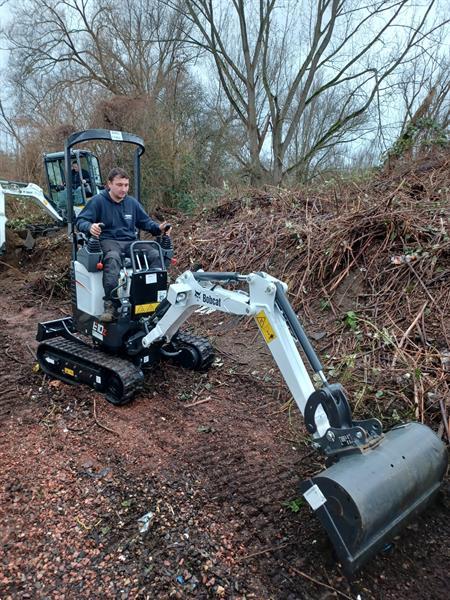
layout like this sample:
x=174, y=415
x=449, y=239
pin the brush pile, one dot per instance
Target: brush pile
x=369, y=262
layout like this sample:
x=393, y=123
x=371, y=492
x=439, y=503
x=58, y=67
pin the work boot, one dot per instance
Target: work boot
x=109, y=314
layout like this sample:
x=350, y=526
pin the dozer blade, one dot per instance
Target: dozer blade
x=363, y=500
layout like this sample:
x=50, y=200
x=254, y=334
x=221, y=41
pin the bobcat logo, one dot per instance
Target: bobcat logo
x=197, y=295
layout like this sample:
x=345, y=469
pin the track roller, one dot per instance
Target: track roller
x=190, y=351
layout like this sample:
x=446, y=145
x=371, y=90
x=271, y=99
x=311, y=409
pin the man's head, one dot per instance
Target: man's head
x=75, y=166
x=118, y=184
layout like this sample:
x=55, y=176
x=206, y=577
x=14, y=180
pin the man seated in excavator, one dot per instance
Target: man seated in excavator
x=81, y=178
x=114, y=217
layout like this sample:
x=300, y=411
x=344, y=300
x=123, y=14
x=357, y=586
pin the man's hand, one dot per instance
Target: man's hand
x=165, y=228
x=95, y=229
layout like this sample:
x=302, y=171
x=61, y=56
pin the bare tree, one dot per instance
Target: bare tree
x=70, y=57
x=274, y=59
x=131, y=47
x=126, y=47
x=305, y=152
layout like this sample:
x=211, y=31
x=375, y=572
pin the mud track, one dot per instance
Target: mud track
x=213, y=460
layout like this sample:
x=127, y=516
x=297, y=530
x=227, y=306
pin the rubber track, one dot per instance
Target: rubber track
x=130, y=375
x=202, y=346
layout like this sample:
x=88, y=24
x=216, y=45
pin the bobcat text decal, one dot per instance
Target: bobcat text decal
x=211, y=300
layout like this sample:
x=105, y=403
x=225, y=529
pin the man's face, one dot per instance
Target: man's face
x=118, y=188
x=75, y=167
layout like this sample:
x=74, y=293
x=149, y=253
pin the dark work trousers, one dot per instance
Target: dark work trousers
x=113, y=252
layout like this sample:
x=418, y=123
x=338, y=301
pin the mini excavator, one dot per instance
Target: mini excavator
x=53, y=201
x=374, y=481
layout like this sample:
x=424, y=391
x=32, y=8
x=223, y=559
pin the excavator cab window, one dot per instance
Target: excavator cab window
x=56, y=183
x=93, y=166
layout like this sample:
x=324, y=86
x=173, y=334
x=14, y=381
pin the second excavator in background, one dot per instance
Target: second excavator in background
x=53, y=202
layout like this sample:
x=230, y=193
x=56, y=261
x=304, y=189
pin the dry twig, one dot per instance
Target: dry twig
x=98, y=422
x=316, y=581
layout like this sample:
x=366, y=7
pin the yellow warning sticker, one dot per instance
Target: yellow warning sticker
x=265, y=327
x=145, y=308
x=68, y=371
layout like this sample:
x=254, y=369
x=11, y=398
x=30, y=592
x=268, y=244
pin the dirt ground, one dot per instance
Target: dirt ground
x=209, y=461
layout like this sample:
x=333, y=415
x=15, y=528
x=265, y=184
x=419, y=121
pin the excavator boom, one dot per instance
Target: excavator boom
x=32, y=192
x=28, y=191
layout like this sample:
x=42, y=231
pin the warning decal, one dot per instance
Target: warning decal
x=265, y=326
x=145, y=308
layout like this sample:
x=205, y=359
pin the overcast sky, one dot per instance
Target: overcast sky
x=4, y=15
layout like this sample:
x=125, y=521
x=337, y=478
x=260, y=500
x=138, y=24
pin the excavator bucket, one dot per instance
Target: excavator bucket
x=364, y=499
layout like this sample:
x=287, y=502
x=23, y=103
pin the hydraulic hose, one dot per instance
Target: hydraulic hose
x=283, y=304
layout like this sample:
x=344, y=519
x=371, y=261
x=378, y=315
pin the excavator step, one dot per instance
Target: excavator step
x=75, y=362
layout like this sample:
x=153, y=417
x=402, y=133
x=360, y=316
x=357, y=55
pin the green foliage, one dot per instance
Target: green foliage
x=179, y=183
x=351, y=320
x=184, y=201
x=18, y=224
x=344, y=369
x=424, y=132
x=294, y=505
x=324, y=304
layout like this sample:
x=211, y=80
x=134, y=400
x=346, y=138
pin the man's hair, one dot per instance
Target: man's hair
x=118, y=172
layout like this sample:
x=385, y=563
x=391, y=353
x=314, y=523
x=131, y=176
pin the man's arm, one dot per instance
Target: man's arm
x=143, y=221
x=85, y=177
x=88, y=217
